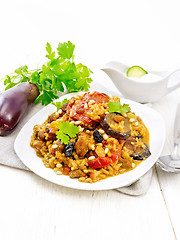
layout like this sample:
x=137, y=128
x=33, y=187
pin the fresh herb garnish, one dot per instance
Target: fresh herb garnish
x=66, y=131
x=60, y=104
x=59, y=73
x=118, y=108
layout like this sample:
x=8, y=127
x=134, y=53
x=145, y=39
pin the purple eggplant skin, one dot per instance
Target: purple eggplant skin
x=141, y=153
x=14, y=103
x=108, y=120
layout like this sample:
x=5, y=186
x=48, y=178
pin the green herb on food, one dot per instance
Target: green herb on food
x=66, y=131
x=58, y=74
x=60, y=104
x=118, y=108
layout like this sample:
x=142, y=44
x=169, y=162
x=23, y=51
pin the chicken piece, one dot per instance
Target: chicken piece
x=81, y=146
x=52, y=117
x=51, y=133
x=41, y=135
x=100, y=151
x=76, y=174
x=38, y=144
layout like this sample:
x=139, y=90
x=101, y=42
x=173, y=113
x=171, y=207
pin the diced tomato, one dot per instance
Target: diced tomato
x=96, y=96
x=106, y=161
x=53, y=151
x=83, y=118
x=100, y=162
x=103, y=142
x=116, y=156
x=92, y=175
x=66, y=170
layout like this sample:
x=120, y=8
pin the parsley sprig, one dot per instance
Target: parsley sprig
x=66, y=131
x=118, y=108
x=58, y=105
x=58, y=74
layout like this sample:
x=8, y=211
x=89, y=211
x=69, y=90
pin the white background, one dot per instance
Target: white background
x=133, y=32
x=145, y=33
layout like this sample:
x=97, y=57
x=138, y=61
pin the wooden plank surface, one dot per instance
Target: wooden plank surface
x=32, y=208
x=170, y=182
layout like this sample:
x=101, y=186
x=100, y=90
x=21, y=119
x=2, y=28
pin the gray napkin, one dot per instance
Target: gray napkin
x=9, y=158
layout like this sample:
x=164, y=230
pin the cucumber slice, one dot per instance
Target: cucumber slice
x=136, y=72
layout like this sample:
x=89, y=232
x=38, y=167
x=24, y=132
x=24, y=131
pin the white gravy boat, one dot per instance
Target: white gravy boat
x=138, y=90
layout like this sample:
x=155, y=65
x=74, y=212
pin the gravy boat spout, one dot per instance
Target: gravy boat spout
x=148, y=90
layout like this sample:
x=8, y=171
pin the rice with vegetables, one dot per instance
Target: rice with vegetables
x=91, y=137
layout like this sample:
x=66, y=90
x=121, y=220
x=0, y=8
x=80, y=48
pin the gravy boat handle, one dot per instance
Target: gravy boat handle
x=170, y=89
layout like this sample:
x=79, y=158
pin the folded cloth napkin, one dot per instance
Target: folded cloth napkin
x=8, y=156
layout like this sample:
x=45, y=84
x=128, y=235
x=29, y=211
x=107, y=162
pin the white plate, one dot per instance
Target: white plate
x=152, y=120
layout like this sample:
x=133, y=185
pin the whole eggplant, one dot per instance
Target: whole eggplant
x=13, y=104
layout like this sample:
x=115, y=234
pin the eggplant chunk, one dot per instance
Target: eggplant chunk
x=111, y=119
x=141, y=153
x=14, y=103
x=130, y=144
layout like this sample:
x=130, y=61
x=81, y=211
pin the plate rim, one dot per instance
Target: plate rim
x=92, y=186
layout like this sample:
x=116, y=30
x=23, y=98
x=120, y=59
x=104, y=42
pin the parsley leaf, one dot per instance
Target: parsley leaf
x=126, y=108
x=65, y=50
x=66, y=131
x=58, y=74
x=84, y=79
x=22, y=70
x=7, y=80
x=10, y=85
x=118, y=108
x=50, y=54
x=47, y=97
x=60, y=104
x=63, y=137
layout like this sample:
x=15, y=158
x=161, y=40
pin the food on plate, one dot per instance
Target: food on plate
x=86, y=140
x=60, y=73
x=14, y=103
x=110, y=124
x=136, y=72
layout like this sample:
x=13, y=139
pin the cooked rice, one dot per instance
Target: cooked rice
x=50, y=150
